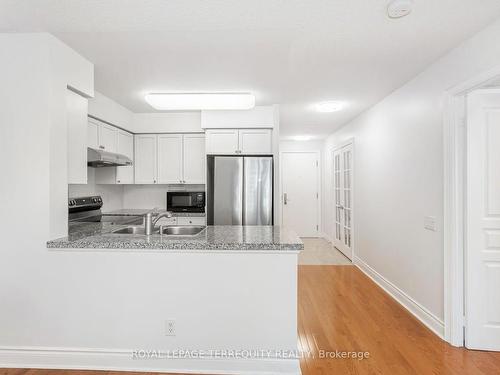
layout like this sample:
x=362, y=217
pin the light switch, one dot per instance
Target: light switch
x=430, y=223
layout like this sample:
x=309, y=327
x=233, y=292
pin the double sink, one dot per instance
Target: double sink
x=171, y=230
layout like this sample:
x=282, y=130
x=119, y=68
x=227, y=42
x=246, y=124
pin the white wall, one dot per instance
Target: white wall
x=399, y=173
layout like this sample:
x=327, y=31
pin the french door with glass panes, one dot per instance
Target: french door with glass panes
x=343, y=198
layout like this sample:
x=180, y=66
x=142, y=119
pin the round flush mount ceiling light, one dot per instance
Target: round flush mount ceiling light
x=329, y=106
x=399, y=8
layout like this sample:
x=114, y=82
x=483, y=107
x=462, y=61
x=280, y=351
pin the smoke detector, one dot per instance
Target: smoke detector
x=399, y=8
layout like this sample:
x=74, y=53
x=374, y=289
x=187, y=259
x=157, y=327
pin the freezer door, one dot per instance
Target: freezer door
x=258, y=191
x=228, y=191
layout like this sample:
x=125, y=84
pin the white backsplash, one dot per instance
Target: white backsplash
x=116, y=197
x=152, y=196
x=112, y=195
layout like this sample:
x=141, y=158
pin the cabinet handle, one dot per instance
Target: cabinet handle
x=118, y=181
x=102, y=147
x=154, y=181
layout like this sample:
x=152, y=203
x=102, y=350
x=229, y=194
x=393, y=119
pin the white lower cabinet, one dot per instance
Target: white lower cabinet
x=182, y=220
x=191, y=220
x=167, y=221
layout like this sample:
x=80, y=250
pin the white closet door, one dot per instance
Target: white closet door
x=483, y=221
x=343, y=198
x=300, y=172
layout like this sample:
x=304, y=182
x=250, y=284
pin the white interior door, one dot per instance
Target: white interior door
x=343, y=198
x=299, y=171
x=483, y=221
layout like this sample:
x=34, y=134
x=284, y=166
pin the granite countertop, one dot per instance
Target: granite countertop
x=231, y=238
x=144, y=211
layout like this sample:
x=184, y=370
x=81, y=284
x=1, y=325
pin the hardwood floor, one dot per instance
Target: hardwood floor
x=341, y=309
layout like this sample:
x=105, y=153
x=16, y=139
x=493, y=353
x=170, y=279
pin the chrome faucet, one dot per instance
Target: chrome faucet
x=149, y=222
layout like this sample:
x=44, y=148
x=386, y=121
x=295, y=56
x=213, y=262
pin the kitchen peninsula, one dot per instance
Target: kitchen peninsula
x=228, y=289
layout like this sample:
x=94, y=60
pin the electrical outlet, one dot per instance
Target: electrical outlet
x=170, y=327
x=430, y=223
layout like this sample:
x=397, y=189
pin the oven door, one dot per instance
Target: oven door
x=186, y=201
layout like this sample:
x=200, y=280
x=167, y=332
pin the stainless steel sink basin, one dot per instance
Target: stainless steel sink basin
x=178, y=230
x=130, y=230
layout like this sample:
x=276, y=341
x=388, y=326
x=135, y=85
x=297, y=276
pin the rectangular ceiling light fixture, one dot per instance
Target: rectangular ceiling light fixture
x=200, y=101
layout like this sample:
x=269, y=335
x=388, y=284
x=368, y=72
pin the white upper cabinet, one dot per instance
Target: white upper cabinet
x=170, y=159
x=146, y=168
x=239, y=141
x=119, y=175
x=92, y=134
x=125, y=175
x=222, y=141
x=194, y=158
x=125, y=144
x=108, y=137
x=255, y=141
x=76, y=112
x=102, y=136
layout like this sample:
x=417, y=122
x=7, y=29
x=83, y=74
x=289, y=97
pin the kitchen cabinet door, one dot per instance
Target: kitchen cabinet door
x=255, y=141
x=222, y=141
x=108, y=136
x=145, y=159
x=125, y=175
x=170, y=159
x=194, y=159
x=76, y=112
x=92, y=134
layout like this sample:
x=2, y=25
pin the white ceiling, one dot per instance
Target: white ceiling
x=290, y=52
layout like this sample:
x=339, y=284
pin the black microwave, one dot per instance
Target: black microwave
x=185, y=201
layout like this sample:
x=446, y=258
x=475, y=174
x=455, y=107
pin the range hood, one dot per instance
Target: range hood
x=100, y=158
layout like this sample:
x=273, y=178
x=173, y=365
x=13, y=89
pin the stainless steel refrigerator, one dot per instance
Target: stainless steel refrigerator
x=240, y=190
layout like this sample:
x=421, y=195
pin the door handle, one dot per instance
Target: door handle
x=285, y=198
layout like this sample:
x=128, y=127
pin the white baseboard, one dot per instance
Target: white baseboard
x=326, y=237
x=420, y=312
x=117, y=360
